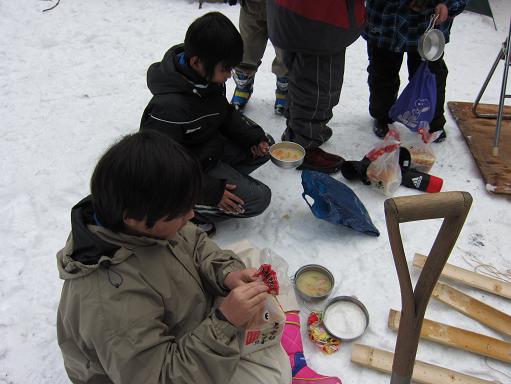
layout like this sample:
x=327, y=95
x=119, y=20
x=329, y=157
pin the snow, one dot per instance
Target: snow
x=72, y=81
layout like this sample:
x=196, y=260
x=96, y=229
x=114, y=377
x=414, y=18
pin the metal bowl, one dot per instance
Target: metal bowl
x=288, y=164
x=318, y=268
x=355, y=323
x=431, y=45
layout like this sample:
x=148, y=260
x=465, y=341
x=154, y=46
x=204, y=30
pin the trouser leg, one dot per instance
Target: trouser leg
x=254, y=32
x=255, y=194
x=315, y=84
x=278, y=67
x=383, y=80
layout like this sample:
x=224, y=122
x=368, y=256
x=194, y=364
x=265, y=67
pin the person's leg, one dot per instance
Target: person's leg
x=280, y=70
x=383, y=81
x=241, y=160
x=278, y=67
x=256, y=195
x=254, y=32
x=439, y=69
x=315, y=84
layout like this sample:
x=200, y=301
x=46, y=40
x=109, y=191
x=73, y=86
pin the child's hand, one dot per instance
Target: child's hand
x=236, y=278
x=260, y=149
x=243, y=302
x=231, y=203
x=443, y=13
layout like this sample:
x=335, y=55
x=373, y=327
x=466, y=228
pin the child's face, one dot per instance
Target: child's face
x=162, y=229
x=221, y=74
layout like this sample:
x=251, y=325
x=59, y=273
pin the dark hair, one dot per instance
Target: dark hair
x=146, y=175
x=214, y=39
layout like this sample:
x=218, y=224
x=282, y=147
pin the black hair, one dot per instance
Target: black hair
x=146, y=175
x=214, y=39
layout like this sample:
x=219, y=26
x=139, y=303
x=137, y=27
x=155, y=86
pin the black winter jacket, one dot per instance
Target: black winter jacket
x=197, y=115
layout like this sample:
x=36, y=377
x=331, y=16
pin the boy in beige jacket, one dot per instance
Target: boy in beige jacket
x=140, y=281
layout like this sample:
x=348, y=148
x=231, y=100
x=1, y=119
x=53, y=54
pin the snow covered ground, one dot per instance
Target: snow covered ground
x=72, y=81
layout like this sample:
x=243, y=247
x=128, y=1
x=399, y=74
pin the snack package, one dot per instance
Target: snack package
x=384, y=171
x=266, y=326
x=319, y=336
x=419, y=144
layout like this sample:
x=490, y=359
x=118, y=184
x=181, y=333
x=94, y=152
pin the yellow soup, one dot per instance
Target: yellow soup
x=287, y=154
x=313, y=283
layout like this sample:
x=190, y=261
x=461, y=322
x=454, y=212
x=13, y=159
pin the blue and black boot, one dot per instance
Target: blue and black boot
x=281, y=95
x=244, y=89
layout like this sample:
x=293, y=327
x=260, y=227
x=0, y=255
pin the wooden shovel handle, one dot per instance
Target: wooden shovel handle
x=453, y=207
x=432, y=206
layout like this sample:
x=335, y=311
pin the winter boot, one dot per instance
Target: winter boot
x=319, y=160
x=380, y=128
x=281, y=95
x=292, y=343
x=244, y=89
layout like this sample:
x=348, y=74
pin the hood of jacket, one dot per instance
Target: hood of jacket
x=173, y=75
x=89, y=246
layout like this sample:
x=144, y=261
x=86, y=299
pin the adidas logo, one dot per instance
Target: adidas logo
x=417, y=181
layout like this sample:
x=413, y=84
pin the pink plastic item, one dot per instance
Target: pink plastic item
x=292, y=343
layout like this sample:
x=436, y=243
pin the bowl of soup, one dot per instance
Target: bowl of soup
x=313, y=282
x=287, y=154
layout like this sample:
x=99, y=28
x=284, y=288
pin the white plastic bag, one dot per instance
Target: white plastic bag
x=418, y=144
x=266, y=327
x=384, y=171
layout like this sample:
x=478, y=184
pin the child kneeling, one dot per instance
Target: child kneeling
x=140, y=281
x=189, y=105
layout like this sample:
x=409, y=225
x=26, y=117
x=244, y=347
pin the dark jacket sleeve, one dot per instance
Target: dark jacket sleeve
x=241, y=129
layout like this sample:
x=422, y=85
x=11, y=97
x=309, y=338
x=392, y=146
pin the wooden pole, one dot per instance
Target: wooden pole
x=423, y=373
x=473, y=308
x=472, y=279
x=453, y=207
x=458, y=338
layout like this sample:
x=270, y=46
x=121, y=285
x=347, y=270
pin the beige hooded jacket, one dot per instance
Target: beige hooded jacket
x=144, y=314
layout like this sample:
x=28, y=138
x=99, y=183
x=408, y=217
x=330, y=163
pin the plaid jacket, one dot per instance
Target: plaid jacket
x=393, y=25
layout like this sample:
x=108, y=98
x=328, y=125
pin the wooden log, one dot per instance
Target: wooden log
x=423, y=373
x=473, y=308
x=458, y=338
x=472, y=279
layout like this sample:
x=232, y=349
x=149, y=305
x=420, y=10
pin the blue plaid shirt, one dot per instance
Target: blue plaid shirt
x=393, y=25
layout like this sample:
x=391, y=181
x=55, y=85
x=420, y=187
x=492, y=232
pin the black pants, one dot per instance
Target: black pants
x=384, y=82
x=315, y=84
x=234, y=167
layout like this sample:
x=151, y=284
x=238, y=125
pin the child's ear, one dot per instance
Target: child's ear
x=130, y=222
x=195, y=63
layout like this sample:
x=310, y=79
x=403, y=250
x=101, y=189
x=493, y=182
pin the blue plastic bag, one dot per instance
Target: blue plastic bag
x=417, y=103
x=336, y=203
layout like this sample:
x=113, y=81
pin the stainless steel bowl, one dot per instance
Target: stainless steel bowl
x=318, y=268
x=431, y=45
x=288, y=164
x=329, y=320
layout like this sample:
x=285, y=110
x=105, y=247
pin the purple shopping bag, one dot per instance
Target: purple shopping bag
x=416, y=104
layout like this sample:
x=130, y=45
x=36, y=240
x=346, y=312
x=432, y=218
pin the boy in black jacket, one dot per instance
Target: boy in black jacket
x=189, y=105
